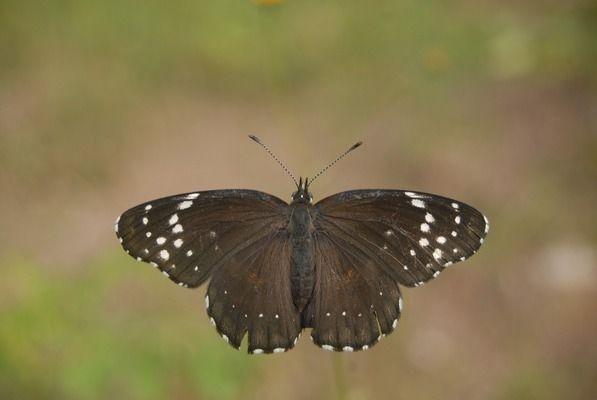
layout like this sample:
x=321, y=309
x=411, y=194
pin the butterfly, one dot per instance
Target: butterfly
x=274, y=268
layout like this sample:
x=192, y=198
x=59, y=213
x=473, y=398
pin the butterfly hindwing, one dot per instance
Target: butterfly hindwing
x=189, y=235
x=354, y=303
x=251, y=294
x=410, y=236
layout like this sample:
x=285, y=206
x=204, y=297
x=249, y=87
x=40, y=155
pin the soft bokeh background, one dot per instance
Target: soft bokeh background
x=107, y=104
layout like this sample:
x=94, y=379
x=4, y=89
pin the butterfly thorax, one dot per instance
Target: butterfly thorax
x=300, y=227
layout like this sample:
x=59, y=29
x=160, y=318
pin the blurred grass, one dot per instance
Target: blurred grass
x=72, y=337
x=103, y=104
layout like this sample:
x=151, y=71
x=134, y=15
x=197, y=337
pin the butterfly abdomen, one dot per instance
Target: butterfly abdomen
x=302, y=274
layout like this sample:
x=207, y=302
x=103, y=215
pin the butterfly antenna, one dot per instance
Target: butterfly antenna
x=256, y=139
x=354, y=146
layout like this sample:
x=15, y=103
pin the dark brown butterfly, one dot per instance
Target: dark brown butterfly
x=276, y=268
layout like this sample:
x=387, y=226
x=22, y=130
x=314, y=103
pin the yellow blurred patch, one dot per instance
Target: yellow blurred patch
x=268, y=2
x=436, y=59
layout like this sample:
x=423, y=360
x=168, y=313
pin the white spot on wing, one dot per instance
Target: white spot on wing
x=440, y=239
x=178, y=243
x=395, y=323
x=454, y=233
x=225, y=338
x=164, y=255
x=457, y=219
x=429, y=218
x=418, y=203
x=212, y=234
x=206, y=301
x=145, y=220
x=424, y=242
x=327, y=347
x=413, y=253
x=279, y=350
x=161, y=240
x=258, y=351
x=183, y=205
x=455, y=205
x=173, y=219
x=192, y=196
x=424, y=227
x=177, y=228
x=347, y=348
x=148, y=234
x=365, y=347
x=437, y=254
x=435, y=274
x=148, y=207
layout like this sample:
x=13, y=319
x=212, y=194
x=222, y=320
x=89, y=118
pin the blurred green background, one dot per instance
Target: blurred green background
x=107, y=104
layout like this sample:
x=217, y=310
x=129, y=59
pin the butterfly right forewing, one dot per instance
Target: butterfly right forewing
x=411, y=236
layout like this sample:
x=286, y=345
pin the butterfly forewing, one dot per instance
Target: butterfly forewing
x=410, y=236
x=187, y=236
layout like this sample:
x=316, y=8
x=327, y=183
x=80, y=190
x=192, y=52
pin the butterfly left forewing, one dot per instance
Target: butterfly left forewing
x=188, y=236
x=411, y=236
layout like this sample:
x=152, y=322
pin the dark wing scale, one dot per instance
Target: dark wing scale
x=188, y=235
x=354, y=303
x=411, y=236
x=251, y=293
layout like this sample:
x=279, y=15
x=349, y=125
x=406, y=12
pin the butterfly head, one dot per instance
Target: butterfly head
x=302, y=194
